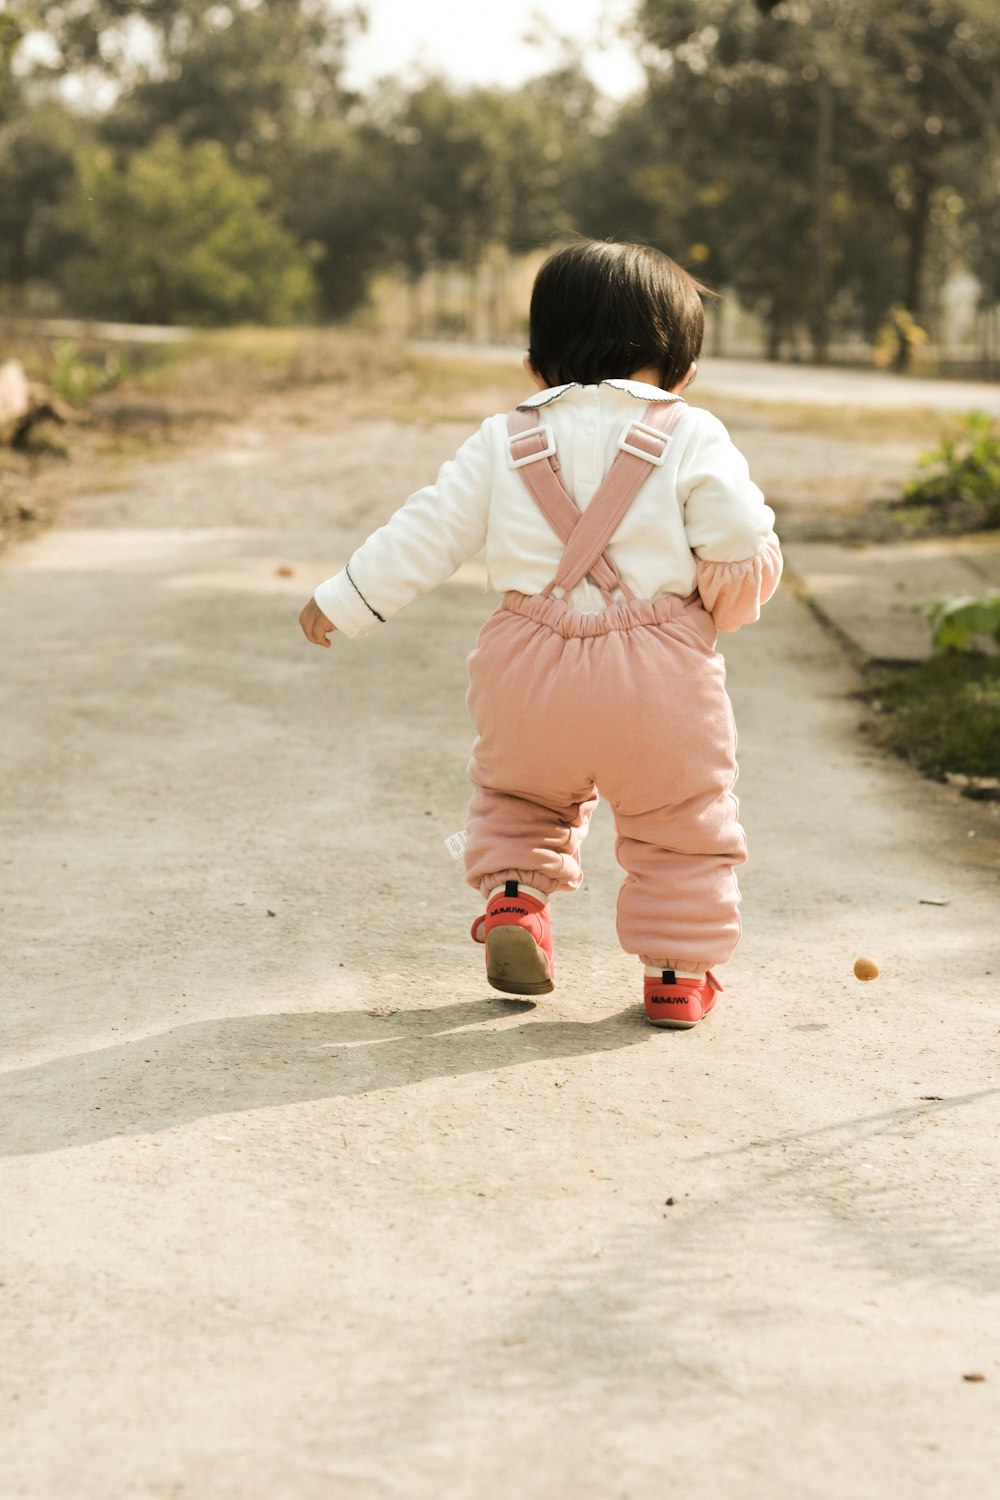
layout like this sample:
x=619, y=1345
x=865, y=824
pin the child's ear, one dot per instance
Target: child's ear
x=686, y=379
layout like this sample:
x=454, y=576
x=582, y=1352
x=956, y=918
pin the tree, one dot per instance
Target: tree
x=37, y=146
x=130, y=42
x=466, y=173
x=830, y=133
x=10, y=40
x=338, y=199
x=930, y=95
x=259, y=78
x=176, y=234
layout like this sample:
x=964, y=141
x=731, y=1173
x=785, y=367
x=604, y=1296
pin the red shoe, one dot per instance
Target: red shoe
x=680, y=1003
x=517, y=931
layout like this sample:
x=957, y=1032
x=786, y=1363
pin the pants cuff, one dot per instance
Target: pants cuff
x=677, y=961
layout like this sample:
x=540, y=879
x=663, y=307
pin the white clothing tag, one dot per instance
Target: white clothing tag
x=455, y=844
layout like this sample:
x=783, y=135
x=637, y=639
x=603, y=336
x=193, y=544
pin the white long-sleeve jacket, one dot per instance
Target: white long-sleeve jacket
x=699, y=521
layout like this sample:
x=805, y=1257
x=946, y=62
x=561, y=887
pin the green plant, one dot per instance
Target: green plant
x=70, y=376
x=960, y=620
x=76, y=380
x=963, y=473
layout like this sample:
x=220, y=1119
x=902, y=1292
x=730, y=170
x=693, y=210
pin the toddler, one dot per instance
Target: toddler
x=623, y=530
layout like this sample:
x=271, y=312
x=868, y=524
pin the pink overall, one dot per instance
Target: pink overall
x=629, y=703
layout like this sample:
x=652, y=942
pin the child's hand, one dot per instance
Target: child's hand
x=315, y=626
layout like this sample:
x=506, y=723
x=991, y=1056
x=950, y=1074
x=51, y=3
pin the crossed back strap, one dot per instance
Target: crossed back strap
x=642, y=447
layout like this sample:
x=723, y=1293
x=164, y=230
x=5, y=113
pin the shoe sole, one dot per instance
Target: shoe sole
x=515, y=965
x=671, y=1024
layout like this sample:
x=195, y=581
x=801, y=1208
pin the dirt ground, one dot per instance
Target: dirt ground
x=351, y=1225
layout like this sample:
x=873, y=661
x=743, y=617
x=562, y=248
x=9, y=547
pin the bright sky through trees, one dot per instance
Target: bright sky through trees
x=485, y=43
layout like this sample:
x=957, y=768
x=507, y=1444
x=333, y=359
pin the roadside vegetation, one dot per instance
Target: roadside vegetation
x=958, y=489
x=954, y=492
x=943, y=716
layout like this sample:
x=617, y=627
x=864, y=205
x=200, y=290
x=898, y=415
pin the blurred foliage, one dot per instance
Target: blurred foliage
x=963, y=475
x=827, y=161
x=829, y=151
x=176, y=234
x=258, y=79
x=75, y=378
x=898, y=339
x=464, y=172
x=961, y=622
x=942, y=715
x=38, y=149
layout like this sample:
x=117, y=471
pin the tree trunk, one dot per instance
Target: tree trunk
x=440, y=316
x=918, y=223
x=472, y=304
x=819, y=330
x=412, y=307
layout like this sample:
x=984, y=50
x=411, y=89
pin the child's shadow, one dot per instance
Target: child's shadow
x=257, y=1062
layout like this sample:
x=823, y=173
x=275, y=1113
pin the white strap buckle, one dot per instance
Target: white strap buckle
x=653, y=432
x=542, y=430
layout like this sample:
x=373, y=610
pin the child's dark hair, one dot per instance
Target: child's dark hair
x=601, y=311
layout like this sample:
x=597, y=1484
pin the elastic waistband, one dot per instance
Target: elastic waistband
x=573, y=623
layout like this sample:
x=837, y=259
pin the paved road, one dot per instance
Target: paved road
x=805, y=385
x=296, y=1207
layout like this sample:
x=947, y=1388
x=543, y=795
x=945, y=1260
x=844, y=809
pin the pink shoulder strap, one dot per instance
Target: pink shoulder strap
x=539, y=468
x=642, y=447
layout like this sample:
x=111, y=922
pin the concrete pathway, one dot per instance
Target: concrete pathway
x=295, y=1207
x=869, y=593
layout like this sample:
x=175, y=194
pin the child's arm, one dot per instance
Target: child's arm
x=729, y=527
x=426, y=540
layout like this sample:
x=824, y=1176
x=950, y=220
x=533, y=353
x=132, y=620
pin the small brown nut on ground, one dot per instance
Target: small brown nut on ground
x=284, y=571
x=865, y=968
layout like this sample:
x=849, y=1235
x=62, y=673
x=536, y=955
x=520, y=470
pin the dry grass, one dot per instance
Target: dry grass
x=849, y=424
x=372, y=375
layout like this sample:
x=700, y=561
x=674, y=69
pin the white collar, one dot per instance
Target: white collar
x=636, y=388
